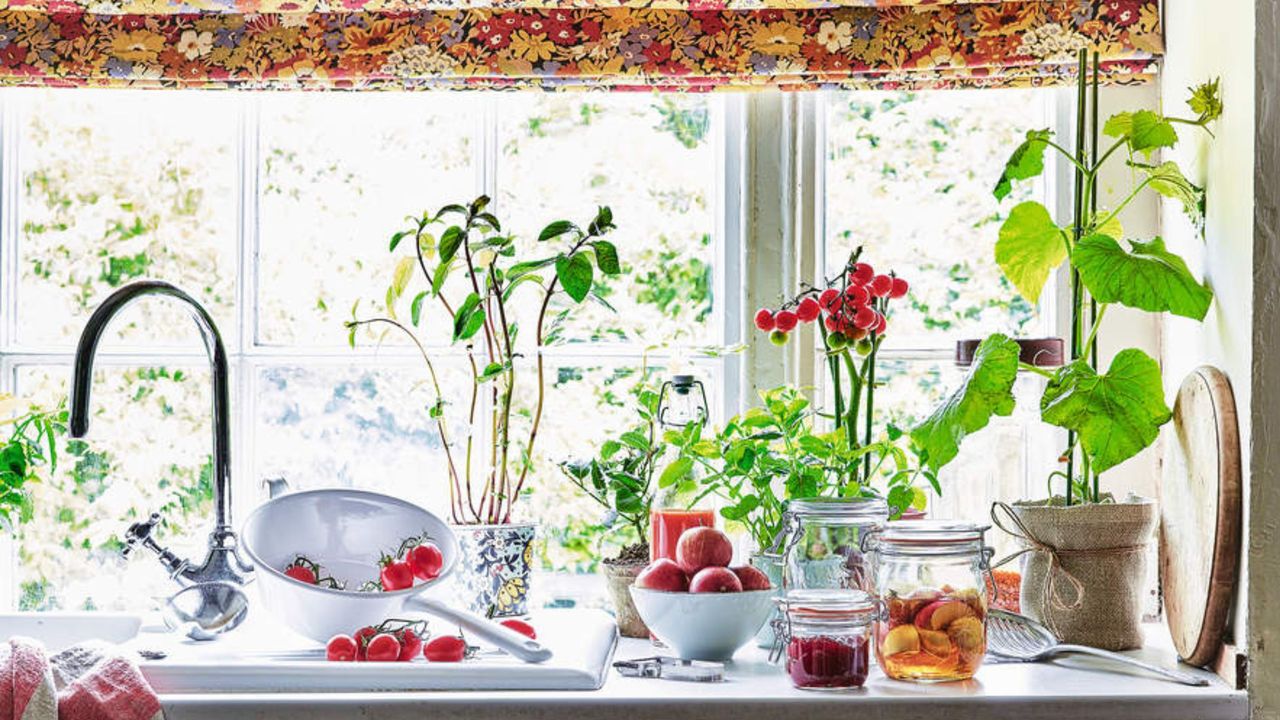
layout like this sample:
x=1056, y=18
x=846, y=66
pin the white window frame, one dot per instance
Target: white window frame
x=770, y=147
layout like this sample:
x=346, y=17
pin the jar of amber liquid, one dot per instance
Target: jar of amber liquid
x=931, y=576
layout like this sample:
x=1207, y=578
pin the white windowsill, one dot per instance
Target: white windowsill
x=1069, y=688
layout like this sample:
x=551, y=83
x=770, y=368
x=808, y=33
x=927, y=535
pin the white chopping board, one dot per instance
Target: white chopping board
x=583, y=642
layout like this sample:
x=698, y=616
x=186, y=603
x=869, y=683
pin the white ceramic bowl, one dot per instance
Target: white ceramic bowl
x=704, y=626
x=343, y=530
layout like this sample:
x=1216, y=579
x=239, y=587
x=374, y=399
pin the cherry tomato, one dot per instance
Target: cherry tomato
x=900, y=288
x=410, y=644
x=426, y=560
x=396, y=575
x=521, y=627
x=861, y=274
x=341, y=648
x=384, y=648
x=301, y=574
x=447, y=648
x=362, y=638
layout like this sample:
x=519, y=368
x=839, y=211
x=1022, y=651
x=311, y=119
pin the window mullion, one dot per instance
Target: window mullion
x=244, y=491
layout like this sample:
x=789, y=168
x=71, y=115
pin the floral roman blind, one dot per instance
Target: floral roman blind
x=571, y=44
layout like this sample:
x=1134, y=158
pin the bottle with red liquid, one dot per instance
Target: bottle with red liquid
x=826, y=633
x=667, y=524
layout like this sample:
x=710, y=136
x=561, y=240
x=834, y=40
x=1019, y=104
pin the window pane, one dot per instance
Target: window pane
x=339, y=174
x=148, y=451
x=909, y=178
x=122, y=185
x=345, y=426
x=652, y=159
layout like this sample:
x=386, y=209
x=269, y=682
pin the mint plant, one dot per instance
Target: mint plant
x=31, y=445
x=1110, y=415
x=472, y=243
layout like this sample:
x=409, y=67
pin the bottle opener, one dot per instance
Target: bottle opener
x=669, y=668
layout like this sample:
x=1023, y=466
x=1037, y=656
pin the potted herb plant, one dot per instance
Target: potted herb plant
x=624, y=478
x=486, y=483
x=785, y=450
x=1087, y=558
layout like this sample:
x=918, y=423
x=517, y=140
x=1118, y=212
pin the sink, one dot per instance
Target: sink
x=61, y=630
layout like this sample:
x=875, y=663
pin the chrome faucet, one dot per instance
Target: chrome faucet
x=222, y=562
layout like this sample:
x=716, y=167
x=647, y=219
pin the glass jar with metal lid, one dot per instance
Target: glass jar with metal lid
x=822, y=539
x=825, y=635
x=932, y=579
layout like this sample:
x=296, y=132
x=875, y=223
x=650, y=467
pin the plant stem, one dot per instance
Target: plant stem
x=1077, y=229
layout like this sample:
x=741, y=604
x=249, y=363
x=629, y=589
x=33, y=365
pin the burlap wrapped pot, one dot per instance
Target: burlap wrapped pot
x=1086, y=567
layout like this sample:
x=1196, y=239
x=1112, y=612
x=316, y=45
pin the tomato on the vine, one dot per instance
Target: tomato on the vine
x=765, y=320
x=521, y=627
x=395, y=575
x=447, y=648
x=865, y=318
x=425, y=560
x=880, y=285
x=807, y=310
x=341, y=648
x=828, y=298
x=861, y=274
x=786, y=320
x=301, y=574
x=383, y=648
x=410, y=644
x=857, y=295
x=362, y=638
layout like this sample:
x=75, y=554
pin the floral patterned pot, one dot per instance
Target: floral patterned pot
x=493, y=570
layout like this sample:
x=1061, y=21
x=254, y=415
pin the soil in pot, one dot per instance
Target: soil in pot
x=620, y=574
x=1103, y=546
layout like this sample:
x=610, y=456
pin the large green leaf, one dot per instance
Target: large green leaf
x=1143, y=130
x=1027, y=161
x=1117, y=414
x=987, y=391
x=1149, y=277
x=1029, y=247
x=1168, y=180
x=575, y=275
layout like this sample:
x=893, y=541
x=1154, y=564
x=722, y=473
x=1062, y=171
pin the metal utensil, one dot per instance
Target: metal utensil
x=1018, y=637
x=206, y=610
x=669, y=668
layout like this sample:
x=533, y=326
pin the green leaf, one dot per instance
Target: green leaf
x=678, y=470
x=742, y=509
x=555, y=230
x=987, y=390
x=603, y=221
x=491, y=371
x=464, y=319
x=450, y=241
x=490, y=220
x=415, y=307
x=1206, y=101
x=1027, y=161
x=575, y=275
x=1168, y=180
x=1029, y=247
x=607, y=257
x=1143, y=130
x=1149, y=277
x=1117, y=414
x=400, y=277
x=395, y=239
x=440, y=275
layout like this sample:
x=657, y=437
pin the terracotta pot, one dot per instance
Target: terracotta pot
x=1103, y=547
x=494, y=567
x=619, y=576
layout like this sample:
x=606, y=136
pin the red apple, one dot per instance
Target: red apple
x=715, y=580
x=752, y=578
x=663, y=574
x=703, y=547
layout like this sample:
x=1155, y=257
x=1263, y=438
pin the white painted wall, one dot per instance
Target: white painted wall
x=1206, y=40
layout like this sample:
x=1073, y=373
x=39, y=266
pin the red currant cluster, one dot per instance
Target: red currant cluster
x=853, y=306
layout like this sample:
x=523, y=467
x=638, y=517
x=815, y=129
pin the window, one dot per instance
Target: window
x=274, y=210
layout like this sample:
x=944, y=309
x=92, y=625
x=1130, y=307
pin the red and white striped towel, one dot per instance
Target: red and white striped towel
x=86, y=682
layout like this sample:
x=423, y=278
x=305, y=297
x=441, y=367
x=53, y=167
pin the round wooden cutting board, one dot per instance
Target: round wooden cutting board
x=1200, y=497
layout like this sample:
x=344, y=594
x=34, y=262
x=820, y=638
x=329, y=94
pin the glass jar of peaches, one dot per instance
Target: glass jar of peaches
x=825, y=636
x=932, y=582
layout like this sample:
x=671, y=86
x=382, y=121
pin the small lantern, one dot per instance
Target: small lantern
x=679, y=405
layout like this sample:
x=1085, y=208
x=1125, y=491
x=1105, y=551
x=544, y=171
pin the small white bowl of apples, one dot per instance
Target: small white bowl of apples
x=697, y=604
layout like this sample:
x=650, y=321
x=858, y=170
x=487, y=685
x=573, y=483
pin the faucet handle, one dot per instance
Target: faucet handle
x=139, y=533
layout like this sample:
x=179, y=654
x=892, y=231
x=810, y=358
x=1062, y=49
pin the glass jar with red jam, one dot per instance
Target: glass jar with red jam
x=932, y=577
x=827, y=636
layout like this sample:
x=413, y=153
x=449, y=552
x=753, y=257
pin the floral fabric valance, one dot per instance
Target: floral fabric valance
x=569, y=44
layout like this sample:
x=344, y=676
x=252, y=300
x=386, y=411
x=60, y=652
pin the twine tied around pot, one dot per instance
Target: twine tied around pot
x=1056, y=569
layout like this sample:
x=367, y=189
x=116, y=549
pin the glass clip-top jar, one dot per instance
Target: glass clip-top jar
x=932, y=579
x=823, y=540
x=825, y=635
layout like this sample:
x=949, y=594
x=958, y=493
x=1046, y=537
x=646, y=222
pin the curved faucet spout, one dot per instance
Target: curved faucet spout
x=82, y=382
